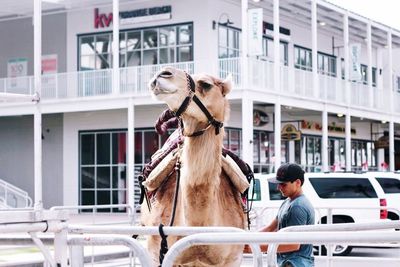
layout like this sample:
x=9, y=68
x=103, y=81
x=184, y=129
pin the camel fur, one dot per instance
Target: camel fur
x=207, y=196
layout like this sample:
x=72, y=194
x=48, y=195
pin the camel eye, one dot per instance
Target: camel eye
x=205, y=85
x=165, y=74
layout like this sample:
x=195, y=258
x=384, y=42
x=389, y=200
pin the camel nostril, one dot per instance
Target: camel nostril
x=154, y=83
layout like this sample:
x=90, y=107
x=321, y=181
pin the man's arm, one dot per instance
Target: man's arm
x=272, y=227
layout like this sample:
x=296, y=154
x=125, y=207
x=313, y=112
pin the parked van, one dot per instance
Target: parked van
x=351, y=197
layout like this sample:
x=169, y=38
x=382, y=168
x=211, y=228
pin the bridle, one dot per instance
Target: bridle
x=192, y=96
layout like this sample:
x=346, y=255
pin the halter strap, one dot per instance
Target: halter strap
x=192, y=96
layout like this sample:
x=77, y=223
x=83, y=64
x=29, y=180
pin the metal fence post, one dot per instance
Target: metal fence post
x=77, y=256
x=61, y=248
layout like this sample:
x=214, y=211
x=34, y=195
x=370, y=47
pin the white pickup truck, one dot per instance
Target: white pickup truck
x=351, y=197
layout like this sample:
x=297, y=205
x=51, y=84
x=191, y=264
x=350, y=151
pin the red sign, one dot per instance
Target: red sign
x=102, y=20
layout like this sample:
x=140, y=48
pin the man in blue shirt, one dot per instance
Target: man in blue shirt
x=295, y=210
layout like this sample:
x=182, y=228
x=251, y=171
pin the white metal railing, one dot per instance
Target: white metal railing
x=168, y=230
x=257, y=215
x=260, y=73
x=13, y=197
x=95, y=208
x=272, y=249
x=277, y=238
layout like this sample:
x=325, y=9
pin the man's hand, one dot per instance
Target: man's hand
x=247, y=249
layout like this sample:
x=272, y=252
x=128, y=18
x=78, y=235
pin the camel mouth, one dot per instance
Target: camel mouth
x=160, y=86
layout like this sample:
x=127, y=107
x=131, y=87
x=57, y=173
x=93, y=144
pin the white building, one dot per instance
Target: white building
x=324, y=91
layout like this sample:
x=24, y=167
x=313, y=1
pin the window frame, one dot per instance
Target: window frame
x=142, y=51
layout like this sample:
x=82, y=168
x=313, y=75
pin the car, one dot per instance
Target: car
x=390, y=183
x=351, y=197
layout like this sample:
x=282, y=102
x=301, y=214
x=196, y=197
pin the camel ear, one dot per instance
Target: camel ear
x=227, y=85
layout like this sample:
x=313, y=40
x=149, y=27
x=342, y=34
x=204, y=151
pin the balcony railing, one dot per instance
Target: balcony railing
x=294, y=82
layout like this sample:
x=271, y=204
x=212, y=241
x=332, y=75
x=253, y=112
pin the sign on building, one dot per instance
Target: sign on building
x=49, y=64
x=17, y=68
x=255, y=31
x=355, y=67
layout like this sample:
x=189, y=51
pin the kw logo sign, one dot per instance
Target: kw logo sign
x=102, y=20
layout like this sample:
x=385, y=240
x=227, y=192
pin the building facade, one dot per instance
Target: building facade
x=322, y=89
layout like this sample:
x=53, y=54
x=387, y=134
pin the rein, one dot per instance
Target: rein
x=192, y=96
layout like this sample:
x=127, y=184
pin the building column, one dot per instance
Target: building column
x=131, y=156
x=369, y=70
x=346, y=51
x=348, y=141
x=247, y=130
x=325, y=163
x=314, y=47
x=391, y=99
x=244, y=61
x=277, y=134
x=390, y=69
x=37, y=116
x=391, y=145
x=115, y=48
x=277, y=58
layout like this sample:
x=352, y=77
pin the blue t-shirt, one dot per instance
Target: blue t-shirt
x=296, y=212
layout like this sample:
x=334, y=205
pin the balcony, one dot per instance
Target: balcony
x=295, y=83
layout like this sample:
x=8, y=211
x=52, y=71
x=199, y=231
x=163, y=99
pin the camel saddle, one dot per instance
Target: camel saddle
x=163, y=161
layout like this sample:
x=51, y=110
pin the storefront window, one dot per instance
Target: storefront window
x=158, y=45
x=232, y=140
x=103, y=165
x=363, y=155
x=103, y=169
x=263, y=147
x=312, y=158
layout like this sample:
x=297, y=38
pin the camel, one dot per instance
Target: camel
x=206, y=195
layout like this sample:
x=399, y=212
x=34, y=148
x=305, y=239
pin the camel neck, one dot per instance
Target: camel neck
x=203, y=155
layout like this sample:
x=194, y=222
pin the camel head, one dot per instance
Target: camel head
x=172, y=86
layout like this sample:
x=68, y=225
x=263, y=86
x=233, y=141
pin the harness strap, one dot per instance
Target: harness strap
x=211, y=120
x=184, y=104
x=164, y=243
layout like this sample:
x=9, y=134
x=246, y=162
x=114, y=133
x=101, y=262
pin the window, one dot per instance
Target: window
x=268, y=50
x=326, y=64
x=389, y=185
x=337, y=154
x=255, y=190
x=228, y=42
x=312, y=153
x=364, y=75
x=103, y=169
x=95, y=52
x=302, y=58
x=158, y=45
x=274, y=193
x=362, y=154
x=343, y=187
x=263, y=151
x=232, y=140
x=103, y=165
